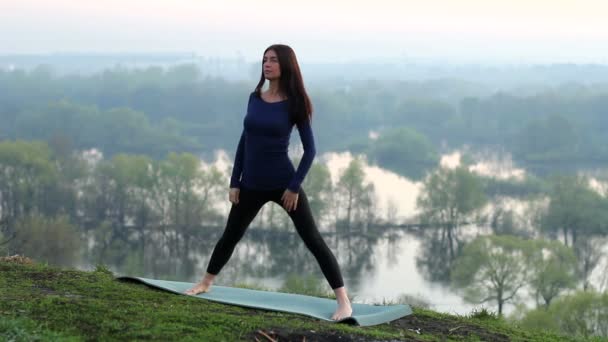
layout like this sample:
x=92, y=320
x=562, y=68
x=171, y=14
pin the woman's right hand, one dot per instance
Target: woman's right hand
x=234, y=195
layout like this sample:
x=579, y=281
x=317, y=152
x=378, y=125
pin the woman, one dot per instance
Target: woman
x=263, y=172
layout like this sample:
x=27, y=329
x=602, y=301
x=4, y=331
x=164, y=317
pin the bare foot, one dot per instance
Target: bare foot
x=201, y=287
x=344, y=310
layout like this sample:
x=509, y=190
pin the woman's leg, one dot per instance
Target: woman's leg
x=307, y=229
x=239, y=218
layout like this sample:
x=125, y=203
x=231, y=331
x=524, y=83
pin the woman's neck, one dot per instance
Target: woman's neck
x=274, y=89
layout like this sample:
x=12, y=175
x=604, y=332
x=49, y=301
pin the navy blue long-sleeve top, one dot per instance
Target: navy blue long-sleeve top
x=261, y=160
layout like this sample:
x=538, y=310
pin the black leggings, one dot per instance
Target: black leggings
x=241, y=215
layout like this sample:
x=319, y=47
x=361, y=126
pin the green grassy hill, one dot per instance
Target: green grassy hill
x=45, y=303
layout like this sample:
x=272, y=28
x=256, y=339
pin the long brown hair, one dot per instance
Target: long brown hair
x=291, y=83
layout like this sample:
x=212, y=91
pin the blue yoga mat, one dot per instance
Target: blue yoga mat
x=321, y=308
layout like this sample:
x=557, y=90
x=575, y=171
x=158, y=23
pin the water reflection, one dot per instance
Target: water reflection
x=390, y=187
x=377, y=264
x=435, y=259
x=375, y=267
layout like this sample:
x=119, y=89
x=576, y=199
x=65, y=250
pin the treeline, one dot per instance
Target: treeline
x=53, y=200
x=154, y=110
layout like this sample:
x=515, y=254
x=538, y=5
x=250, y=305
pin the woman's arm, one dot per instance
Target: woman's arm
x=308, y=142
x=237, y=169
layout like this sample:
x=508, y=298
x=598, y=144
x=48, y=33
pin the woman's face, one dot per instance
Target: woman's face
x=270, y=65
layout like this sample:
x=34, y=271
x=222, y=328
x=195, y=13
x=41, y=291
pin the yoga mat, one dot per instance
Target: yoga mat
x=321, y=308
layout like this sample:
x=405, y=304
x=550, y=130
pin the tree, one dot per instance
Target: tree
x=450, y=198
x=426, y=114
x=404, y=151
x=589, y=252
x=574, y=209
x=551, y=138
x=72, y=170
x=354, y=195
x=318, y=188
x=581, y=314
x=211, y=190
x=28, y=178
x=116, y=203
x=579, y=214
x=553, y=269
x=114, y=131
x=492, y=268
x=179, y=174
x=503, y=221
x=53, y=240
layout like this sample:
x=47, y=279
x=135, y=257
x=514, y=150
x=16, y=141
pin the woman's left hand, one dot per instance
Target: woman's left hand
x=290, y=200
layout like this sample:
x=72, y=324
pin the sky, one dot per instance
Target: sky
x=318, y=30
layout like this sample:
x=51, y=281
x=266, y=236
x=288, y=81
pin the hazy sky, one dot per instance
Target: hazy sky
x=509, y=30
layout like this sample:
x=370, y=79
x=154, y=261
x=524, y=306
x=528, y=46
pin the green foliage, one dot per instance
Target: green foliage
x=35, y=179
x=449, y=199
x=179, y=175
x=589, y=253
x=579, y=215
x=583, y=314
x=404, y=151
x=492, y=268
x=484, y=314
x=112, y=131
x=545, y=126
x=354, y=196
x=518, y=188
x=103, y=269
x=319, y=188
x=414, y=301
x=305, y=285
x=52, y=240
x=553, y=269
x=3, y=244
x=26, y=171
x=51, y=199
x=505, y=222
x=425, y=113
x=574, y=208
x=244, y=285
x=549, y=138
x=451, y=196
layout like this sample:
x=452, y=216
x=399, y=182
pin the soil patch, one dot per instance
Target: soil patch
x=282, y=334
x=446, y=327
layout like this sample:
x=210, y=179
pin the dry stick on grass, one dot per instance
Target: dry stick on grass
x=266, y=335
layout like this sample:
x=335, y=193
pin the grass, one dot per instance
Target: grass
x=46, y=303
